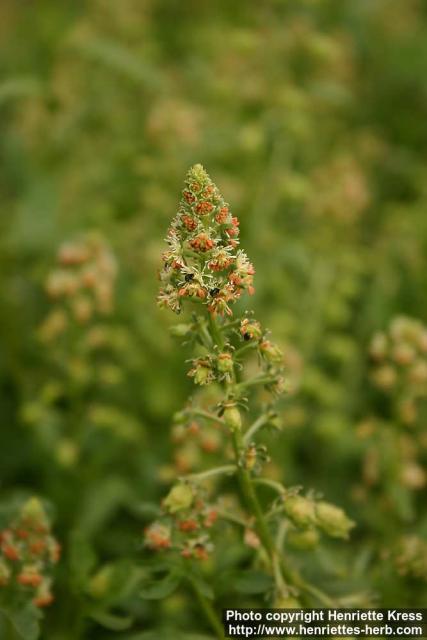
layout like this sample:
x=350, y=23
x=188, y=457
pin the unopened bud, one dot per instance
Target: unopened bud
x=332, y=520
x=225, y=363
x=300, y=510
x=303, y=540
x=271, y=352
x=180, y=497
x=233, y=418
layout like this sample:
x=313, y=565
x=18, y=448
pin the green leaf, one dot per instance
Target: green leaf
x=111, y=621
x=203, y=587
x=253, y=582
x=26, y=622
x=102, y=501
x=162, y=588
x=82, y=558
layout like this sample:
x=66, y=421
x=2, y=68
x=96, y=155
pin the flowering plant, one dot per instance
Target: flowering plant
x=28, y=553
x=235, y=365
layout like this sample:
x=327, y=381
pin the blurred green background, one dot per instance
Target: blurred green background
x=311, y=118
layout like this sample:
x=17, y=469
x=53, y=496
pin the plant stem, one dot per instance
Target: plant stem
x=208, y=610
x=216, y=331
x=206, y=414
x=260, y=380
x=246, y=347
x=273, y=484
x=216, y=471
x=251, y=498
x=259, y=422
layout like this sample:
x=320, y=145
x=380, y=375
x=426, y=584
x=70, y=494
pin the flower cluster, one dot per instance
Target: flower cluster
x=203, y=262
x=82, y=284
x=88, y=357
x=400, y=357
x=28, y=553
x=185, y=525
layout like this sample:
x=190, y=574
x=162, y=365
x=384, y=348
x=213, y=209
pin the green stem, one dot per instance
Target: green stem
x=273, y=484
x=208, y=610
x=259, y=422
x=233, y=518
x=216, y=331
x=225, y=469
x=206, y=414
x=260, y=380
x=242, y=350
x=251, y=499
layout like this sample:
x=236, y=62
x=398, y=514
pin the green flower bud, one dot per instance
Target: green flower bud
x=202, y=372
x=271, y=352
x=332, y=520
x=232, y=418
x=180, y=497
x=225, y=363
x=300, y=510
x=33, y=511
x=202, y=375
x=304, y=540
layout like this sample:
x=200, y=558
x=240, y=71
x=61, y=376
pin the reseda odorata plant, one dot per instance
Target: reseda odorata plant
x=205, y=268
x=28, y=555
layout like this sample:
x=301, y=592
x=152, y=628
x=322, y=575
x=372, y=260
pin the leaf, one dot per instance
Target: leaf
x=203, y=587
x=102, y=500
x=111, y=620
x=162, y=588
x=253, y=582
x=26, y=622
x=81, y=557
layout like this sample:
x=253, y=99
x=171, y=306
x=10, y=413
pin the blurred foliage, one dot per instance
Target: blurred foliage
x=311, y=117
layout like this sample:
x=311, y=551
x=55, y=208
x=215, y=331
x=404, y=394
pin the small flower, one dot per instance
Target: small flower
x=202, y=242
x=202, y=208
x=223, y=215
x=271, y=352
x=202, y=371
x=188, y=525
x=221, y=260
x=30, y=576
x=210, y=518
x=224, y=363
x=157, y=536
x=250, y=329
